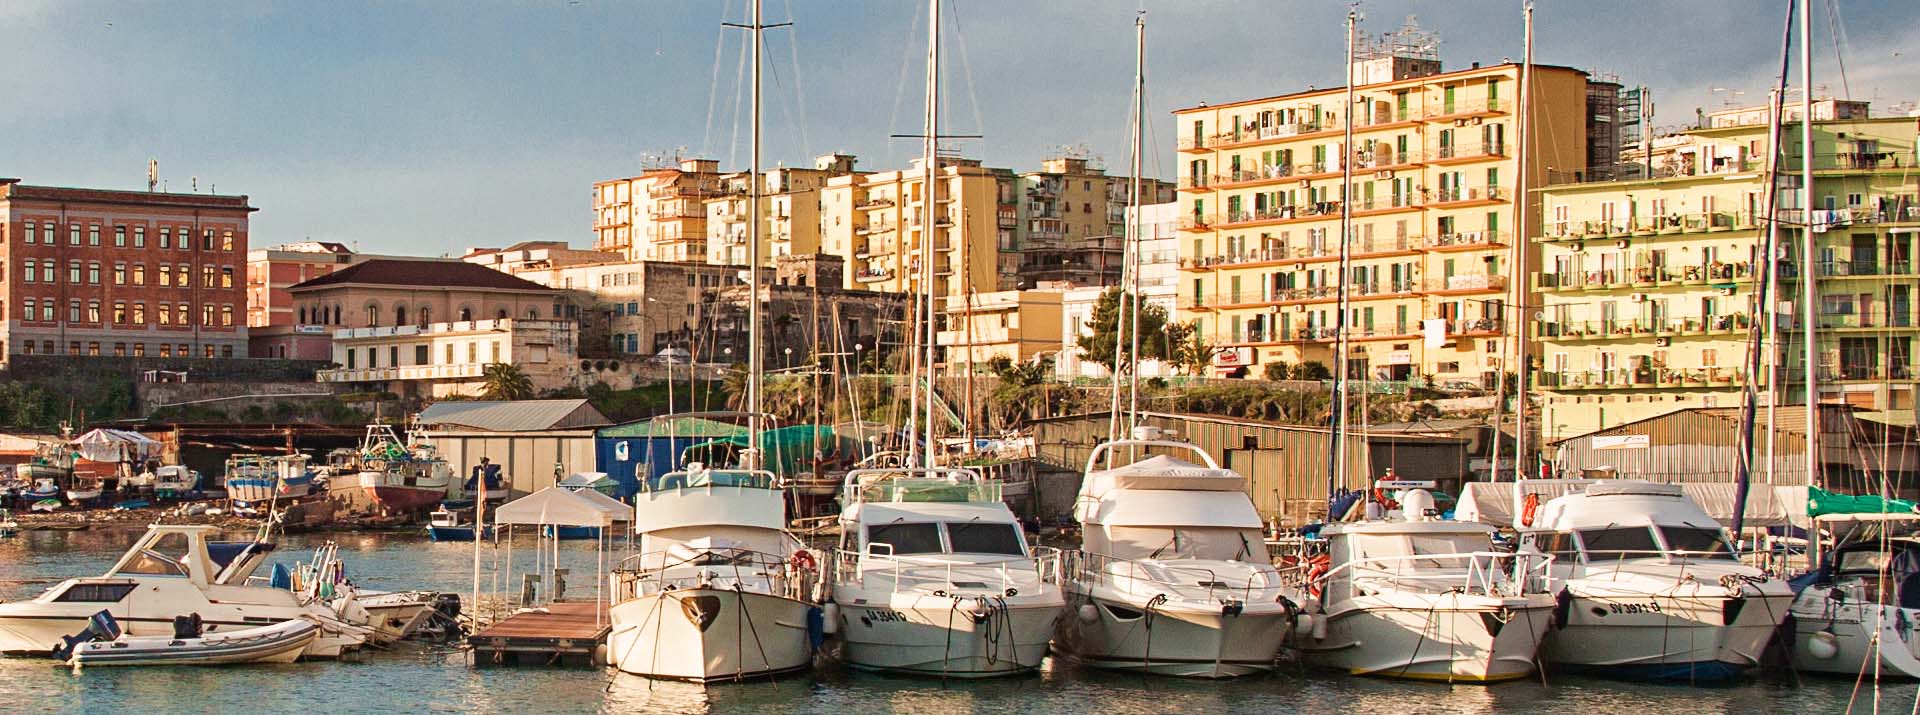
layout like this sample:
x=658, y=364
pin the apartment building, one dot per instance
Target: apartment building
x=789, y=212
x=1650, y=286
x=449, y=359
x=638, y=307
x=875, y=221
x=660, y=215
x=1019, y=325
x=1071, y=217
x=98, y=272
x=1260, y=189
x=1159, y=276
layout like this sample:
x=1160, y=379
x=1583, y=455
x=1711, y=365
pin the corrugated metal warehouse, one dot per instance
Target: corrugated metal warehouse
x=1286, y=465
x=536, y=442
x=1703, y=445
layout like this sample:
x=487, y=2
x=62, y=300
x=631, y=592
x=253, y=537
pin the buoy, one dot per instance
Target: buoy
x=1303, y=625
x=1823, y=645
x=1089, y=613
x=830, y=614
x=600, y=653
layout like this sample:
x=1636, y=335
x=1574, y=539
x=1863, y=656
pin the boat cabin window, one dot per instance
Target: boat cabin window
x=1863, y=560
x=984, y=539
x=906, y=538
x=1218, y=543
x=165, y=557
x=95, y=593
x=1619, y=542
x=1700, y=543
x=1398, y=546
x=1561, y=545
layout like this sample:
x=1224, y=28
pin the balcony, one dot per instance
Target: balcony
x=1875, y=321
x=1255, y=134
x=1384, y=160
x=1647, y=277
x=659, y=213
x=1676, y=224
x=693, y=191
x=455, y=371
x=1872, y=373
x=878, y=203
x=1630, y=329
x=1468, y=196
x=1467, y=284
x=872, y=276
x=1463, y=109
x=1462, y=153
x=1465, y=241
x=1643, y=378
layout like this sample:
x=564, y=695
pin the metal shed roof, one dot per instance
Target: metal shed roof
x=513, y=416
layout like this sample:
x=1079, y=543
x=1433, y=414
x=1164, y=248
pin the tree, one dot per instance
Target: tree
x=1279, y=371
x=1312, y=370
x=1023, y=389
x=1106, y=331
x=1194, y=353
x=505, y=381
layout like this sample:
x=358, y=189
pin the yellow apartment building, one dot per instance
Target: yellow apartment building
x=1068, y=213
x=875, y=222
x=1015, y=324
x=789, y=212
x=660, y=215
x=1434, y=163
x=1649, y=287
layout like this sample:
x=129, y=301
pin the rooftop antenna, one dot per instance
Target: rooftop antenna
x=153, y=174
x=196, y=184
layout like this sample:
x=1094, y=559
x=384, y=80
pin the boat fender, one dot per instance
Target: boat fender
x=816, y=627
x=830, y=615
x=1320, y=627
x=600, y=654
x=1562, y=608
x=1823, y=645
x=1089, y=613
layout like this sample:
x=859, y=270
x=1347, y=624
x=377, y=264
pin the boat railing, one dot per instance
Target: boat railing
x=918, y=484
x=914, y=572
x=1683, y=560
x=654, y=571
x=1105, y=450
x=1190, y=582
x=1477, y=573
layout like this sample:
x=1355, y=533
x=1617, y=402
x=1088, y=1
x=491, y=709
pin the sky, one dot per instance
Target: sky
x=431, y=126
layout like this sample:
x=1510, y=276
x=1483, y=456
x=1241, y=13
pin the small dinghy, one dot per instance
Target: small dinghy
x=103, y=643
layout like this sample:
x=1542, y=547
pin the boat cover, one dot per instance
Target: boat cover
x=1821, y=502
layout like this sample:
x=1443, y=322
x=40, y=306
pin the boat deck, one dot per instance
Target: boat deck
x=567, y=633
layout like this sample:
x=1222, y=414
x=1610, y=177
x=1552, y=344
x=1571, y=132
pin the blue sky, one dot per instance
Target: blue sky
x=427, y=127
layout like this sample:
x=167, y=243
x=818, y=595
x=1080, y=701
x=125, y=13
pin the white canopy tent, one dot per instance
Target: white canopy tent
x=114, y=445
x=554, y=507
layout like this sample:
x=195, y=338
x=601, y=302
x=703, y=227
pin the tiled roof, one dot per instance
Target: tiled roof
x=422, y=273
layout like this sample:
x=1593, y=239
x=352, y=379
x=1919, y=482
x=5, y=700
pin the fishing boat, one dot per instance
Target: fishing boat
x=401, y=475
x=445, y=524
x=105, y=644
x=43, y=488
x=1172, y=576
x=256, y=479
x=174, y=481
x=719, y=591
x=171, y=571
x=1650, y=588
x=1859, y=612
x=934, y=577
x=1412, y=596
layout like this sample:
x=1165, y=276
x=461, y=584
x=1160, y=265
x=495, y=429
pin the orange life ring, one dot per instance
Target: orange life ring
x=803, y=560
x=1317, y=567
x=1528, y=507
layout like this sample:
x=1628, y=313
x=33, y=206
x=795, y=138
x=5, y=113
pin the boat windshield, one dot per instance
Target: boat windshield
x=1397, y=546
x=1697, y=542
x=908, y=538
x=973, y=537
x=164, y=557
x=984, y=538
x=1619, y=542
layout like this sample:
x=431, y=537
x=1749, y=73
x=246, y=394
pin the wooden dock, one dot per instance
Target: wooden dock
x=567, y=633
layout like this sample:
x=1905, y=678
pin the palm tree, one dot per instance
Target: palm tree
x=505, y=381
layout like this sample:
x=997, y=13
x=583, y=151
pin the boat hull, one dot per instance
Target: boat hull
x=394, y=498
x=706, y=635
x=454, y=533
x=253, y=490
x=1175, y=642
x=1852, y=626
x=1455, y=643
x=932, y=635
x=1644, y=637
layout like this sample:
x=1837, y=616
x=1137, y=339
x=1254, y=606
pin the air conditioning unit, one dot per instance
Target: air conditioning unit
x=1639, y=297
x=1579, y=246
x=1383, y=174
x=1620, y=244
x=1476, y=121
x=1459, y=122
x=1727, y=290
x=1661, y=342
x=1300, y=308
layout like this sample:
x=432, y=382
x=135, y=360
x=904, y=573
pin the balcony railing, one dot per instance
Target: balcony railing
x=1648, y=377
x=1893, y=371
x=1470, y=151
x=1627, y=328
x=870, y=276
x=1462, y=194
x=1584, y=230
x=1448, y=110
x=1465, y=239
x=1647, y=276
x=403, y=372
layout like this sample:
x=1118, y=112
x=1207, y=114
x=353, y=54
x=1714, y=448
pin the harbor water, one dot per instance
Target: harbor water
x=416, y=678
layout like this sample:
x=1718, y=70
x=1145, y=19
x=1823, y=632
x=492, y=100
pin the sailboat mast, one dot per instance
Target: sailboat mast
x=1338, y=443
x=1772, y=258
x=930, y=204
x=1808, y=317
x=754, y=366
x=1520, y=308
x=1130, y=264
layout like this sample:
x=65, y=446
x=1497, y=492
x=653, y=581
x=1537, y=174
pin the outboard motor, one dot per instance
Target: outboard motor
x=100, y=627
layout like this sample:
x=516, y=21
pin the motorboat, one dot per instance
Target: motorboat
x=106, y=645
x=43, y=488
x=1172, y=576
x=393, y=615
x=448, y=525
x=934, y=577
x=174, y=481
x=172, y=571
x=83, y=495
x=596, y=481
x=1860, y=611
x=1650, y=586
x=719, y=590
x=257, y=479
x=401, y=475
x=1412, y=596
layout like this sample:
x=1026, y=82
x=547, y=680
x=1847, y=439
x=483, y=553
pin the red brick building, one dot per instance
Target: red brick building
x=122, y=273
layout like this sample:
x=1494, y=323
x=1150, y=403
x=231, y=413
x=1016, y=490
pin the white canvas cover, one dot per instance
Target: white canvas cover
x=1492, y=503
x=113, y=445
x=553, y=506
x=617, y=510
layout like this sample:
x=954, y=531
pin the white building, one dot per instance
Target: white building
x=1158, y=276
x=443, y=359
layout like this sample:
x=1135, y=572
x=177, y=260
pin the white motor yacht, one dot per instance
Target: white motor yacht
x=1415, y=597
x=719, y=591
x=1651, y=589
x=1860, y=612
x=173, y=570
x=1172, y=576
x=934, y=577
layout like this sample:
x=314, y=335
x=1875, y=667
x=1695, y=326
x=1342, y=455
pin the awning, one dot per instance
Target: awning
x=113, y=445
x=554, y=506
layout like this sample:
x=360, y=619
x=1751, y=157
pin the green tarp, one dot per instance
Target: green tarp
x=674, y=427
x=786, y=451
x=1821, y=502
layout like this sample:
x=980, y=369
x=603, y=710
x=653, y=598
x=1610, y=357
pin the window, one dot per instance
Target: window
x=1618, y=542
x=119, y=349
x=166, y=241
x=206, y=276
x=73, y=347
x=46, y=315
x=226, y=278
x=180, y=316
x=166, y=275
x=73, y=272
x=206, y=351
x=421, y=355
x=26, y=274
x=26, y=347
x=93, y=311
x=206, y=315
x=164, y=311
x=166, y=350
x=93, y=272
x=30, y=234
x=226, y=351
x=226, y=315
x=119, y=311
x=119, y=237
x=904, y=538
x=93, y=349
x=96, y=592
x=981, y=538
x=93, y=239
x=1702, y=542
x=47, y=271
x=139, y=241
x=27, y=315
x=119, y=274
x=139, y=274
x=206, y=244
x=226, y=241
x=140, y=313
x=139, y=350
